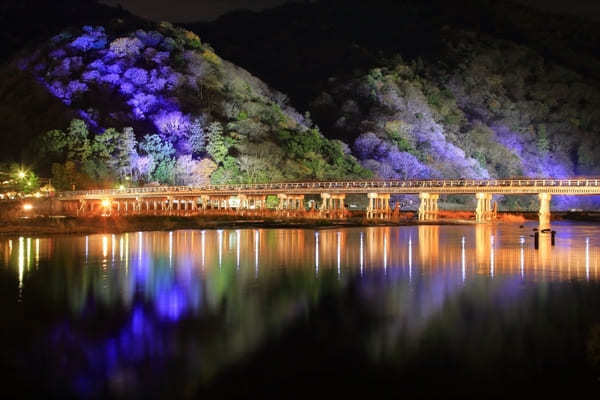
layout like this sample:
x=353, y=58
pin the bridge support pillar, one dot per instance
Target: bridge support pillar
x=169, y=205
x=428, y=208
x=483, y=212
x=544, y=213
x=326, y=202
x=258, y=202
x=282, y=201
x=296, y=202
x=204, y=200
x=243, y=202
x=81, y=207
x=337, y=205
x=379, y=205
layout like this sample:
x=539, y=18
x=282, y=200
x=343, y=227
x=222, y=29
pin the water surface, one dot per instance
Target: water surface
x=427, y=311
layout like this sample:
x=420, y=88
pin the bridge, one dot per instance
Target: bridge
x=245, y=197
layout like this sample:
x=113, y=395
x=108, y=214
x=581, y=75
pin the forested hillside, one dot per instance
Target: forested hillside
x=158, y=105
x=427, y=89
x=405, y=89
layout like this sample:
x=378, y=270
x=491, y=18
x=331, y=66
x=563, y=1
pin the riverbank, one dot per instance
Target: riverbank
x=43, y=226
x=73, y=225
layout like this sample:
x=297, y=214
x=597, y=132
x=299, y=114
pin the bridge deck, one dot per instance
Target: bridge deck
x=576, y=186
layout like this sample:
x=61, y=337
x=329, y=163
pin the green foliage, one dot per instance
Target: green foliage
x=272, y=201
x=26, y=180
x=68, y=176
x=74, y=144
x=543, y=144
x=211, y=57
x=218, y=145
x=162, y=153
x=158, y=148
x=165, y=171
x=228, y=172
x=78, y=143
x=398, y=132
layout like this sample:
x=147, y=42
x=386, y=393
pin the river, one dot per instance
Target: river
x=435, y=311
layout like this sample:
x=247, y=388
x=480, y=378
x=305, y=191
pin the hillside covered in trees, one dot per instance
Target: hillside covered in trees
x=434, y=89
x=479, y=88
x=158, y=105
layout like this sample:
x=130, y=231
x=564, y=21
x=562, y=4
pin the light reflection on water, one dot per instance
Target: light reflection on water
x=236, y=288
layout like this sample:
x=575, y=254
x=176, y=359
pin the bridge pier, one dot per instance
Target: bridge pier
x=379, y=205
x=338, y=204
x=483, y=212
x=332, y=204
x=81, y=207
x=544, y=213
x=293, y=202
x=325, y=204
x=259, y=203
x=282, y=201
x=428, y=207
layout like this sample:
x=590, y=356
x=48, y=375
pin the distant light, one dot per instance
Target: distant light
x=38, y=194
x=27, y=207
x=21, y=174
x=121, y=187
x=105, y=203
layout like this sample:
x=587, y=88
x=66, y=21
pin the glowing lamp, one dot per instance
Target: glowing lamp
x=27, y=207
x=121, y=187
x=105, y=203
x=21, y=174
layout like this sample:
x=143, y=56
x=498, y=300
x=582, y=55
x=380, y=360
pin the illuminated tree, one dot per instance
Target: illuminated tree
x=126, y=47
x=218, y=146
x=197, y=140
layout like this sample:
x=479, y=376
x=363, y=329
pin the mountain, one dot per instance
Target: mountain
x=475, y=88
x=155, y=103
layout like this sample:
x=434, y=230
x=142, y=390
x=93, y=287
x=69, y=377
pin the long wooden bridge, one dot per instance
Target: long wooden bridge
x=240, y=197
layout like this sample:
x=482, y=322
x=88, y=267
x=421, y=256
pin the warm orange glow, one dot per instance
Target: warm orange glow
x=105, y=203
x=27, y=207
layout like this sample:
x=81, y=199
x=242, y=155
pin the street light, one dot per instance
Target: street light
x=27, y=207
x=21, y=174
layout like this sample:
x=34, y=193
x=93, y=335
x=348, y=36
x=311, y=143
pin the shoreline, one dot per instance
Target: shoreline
x=48, y=226
x=92, y=225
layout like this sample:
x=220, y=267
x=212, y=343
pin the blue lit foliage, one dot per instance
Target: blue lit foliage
x=172, y=88
x=129, y=65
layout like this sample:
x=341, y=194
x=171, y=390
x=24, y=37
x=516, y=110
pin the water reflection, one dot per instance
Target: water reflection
x=223, y=293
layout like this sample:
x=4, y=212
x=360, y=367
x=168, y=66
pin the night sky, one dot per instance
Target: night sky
x=199, y=10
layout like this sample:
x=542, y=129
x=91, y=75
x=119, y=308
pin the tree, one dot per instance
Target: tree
x=156, y=147
x=77, y=141
x=125, y=152
x=144, y=166
x=52, y=144
x=218, y=146
x=26, y=180
x=197, y=139
x=165, y=171
x=64, y=176
x=161, y=152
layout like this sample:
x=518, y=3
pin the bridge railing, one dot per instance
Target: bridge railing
x=340, y=185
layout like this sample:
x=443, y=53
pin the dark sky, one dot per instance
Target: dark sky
x=201, y=10
x=190, y=10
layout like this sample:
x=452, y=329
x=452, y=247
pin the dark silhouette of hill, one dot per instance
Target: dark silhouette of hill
x=296, y=47
x=24, y=22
